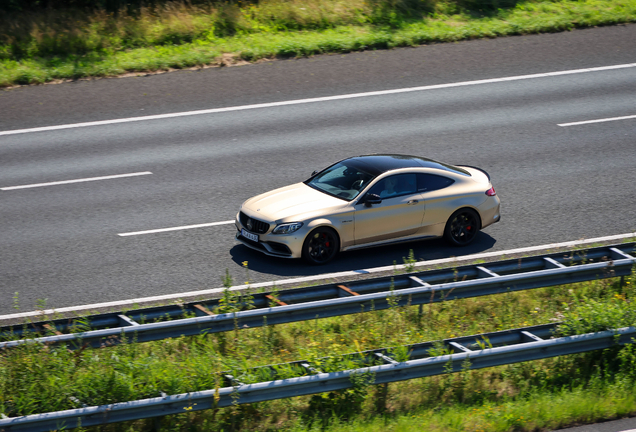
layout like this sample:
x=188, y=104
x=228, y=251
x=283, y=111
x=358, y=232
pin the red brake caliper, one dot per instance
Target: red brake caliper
x=327, y=242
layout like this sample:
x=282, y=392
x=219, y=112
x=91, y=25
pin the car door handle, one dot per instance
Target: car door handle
x=412, y=202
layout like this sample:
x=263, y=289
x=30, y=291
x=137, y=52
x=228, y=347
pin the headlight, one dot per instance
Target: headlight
x=287, y=228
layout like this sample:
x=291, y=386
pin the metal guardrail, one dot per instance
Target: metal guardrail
x=331, y=300
x=504, y=347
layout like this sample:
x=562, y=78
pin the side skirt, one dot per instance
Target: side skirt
x=387, y=242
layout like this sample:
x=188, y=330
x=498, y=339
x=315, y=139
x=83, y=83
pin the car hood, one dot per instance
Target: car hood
x=294, y=203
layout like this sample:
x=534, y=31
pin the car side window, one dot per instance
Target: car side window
x=432, y=182
x=395, y=185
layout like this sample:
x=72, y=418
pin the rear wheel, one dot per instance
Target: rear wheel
x=321, y=246
x=462, y=227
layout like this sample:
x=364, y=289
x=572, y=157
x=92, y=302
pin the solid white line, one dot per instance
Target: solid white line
x=75, y=181
x=175, y=228
x=597, y=121
x=320, y=99
x=326, y=276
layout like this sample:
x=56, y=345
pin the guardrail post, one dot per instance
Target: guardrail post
x=483, y=272
x=52, y=329
x=551, y=263
x=156, y=424
x=348, y=291
x=418, y=281
x=310, y=368
x=125, y=321
x=275, y=300
x=459, y=347
x=531, y=336
x=385, y=359
x=201, y=310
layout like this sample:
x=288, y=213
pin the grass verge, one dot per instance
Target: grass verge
x=33, y=49
x=527, y=396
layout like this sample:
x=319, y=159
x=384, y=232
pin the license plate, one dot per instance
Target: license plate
x=248, y=235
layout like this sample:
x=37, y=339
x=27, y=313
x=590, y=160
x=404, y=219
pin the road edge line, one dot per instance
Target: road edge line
x=122, y=303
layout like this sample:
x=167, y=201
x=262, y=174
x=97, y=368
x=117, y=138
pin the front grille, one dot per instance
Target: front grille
x=253, y=225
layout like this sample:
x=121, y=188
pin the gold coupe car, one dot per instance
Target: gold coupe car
x=367, y=201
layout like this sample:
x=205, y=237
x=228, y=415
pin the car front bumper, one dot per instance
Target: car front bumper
x=277, y=245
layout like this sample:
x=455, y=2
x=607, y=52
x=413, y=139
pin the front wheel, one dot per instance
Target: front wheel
x=462, y=227
x=321, y=246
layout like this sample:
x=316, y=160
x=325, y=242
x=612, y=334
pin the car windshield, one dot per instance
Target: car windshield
x=341, y=180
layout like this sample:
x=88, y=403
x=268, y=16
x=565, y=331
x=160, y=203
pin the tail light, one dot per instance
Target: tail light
x=491, y=192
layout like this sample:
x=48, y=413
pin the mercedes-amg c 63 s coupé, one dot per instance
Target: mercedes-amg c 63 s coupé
x=369, y=201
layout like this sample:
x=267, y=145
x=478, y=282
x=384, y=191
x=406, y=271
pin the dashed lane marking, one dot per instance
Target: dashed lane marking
x=185, y=227
x=75, y=181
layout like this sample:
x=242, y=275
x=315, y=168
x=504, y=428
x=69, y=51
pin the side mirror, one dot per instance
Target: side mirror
x=314, y=173
x=370, y=199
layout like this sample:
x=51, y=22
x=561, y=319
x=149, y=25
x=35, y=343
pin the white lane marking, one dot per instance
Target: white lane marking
x=597, y=121
x=185, y=227
x=320, y=99
x=326, y=276
x=75, y=181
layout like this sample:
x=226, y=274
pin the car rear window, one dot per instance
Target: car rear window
x=432, y=182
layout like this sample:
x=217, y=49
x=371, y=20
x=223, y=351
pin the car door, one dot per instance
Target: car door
x=398, y=215
x=439, y=199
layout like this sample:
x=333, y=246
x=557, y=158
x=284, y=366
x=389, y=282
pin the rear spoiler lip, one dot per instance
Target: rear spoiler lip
x=477, y=168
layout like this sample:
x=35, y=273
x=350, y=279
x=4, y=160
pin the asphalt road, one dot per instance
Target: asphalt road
x=622, y=425
x=61, y=242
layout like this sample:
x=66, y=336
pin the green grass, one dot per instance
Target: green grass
x=528, y=396
x=56, y=45
x=542, y=410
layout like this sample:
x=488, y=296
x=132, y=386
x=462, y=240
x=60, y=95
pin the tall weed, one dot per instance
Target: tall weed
x=40, y=45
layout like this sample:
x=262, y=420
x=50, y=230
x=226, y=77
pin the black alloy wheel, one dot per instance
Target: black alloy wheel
x=462, y=227
x=321, y=246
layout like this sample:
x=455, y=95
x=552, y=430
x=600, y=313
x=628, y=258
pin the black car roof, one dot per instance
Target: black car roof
x=377, y=164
